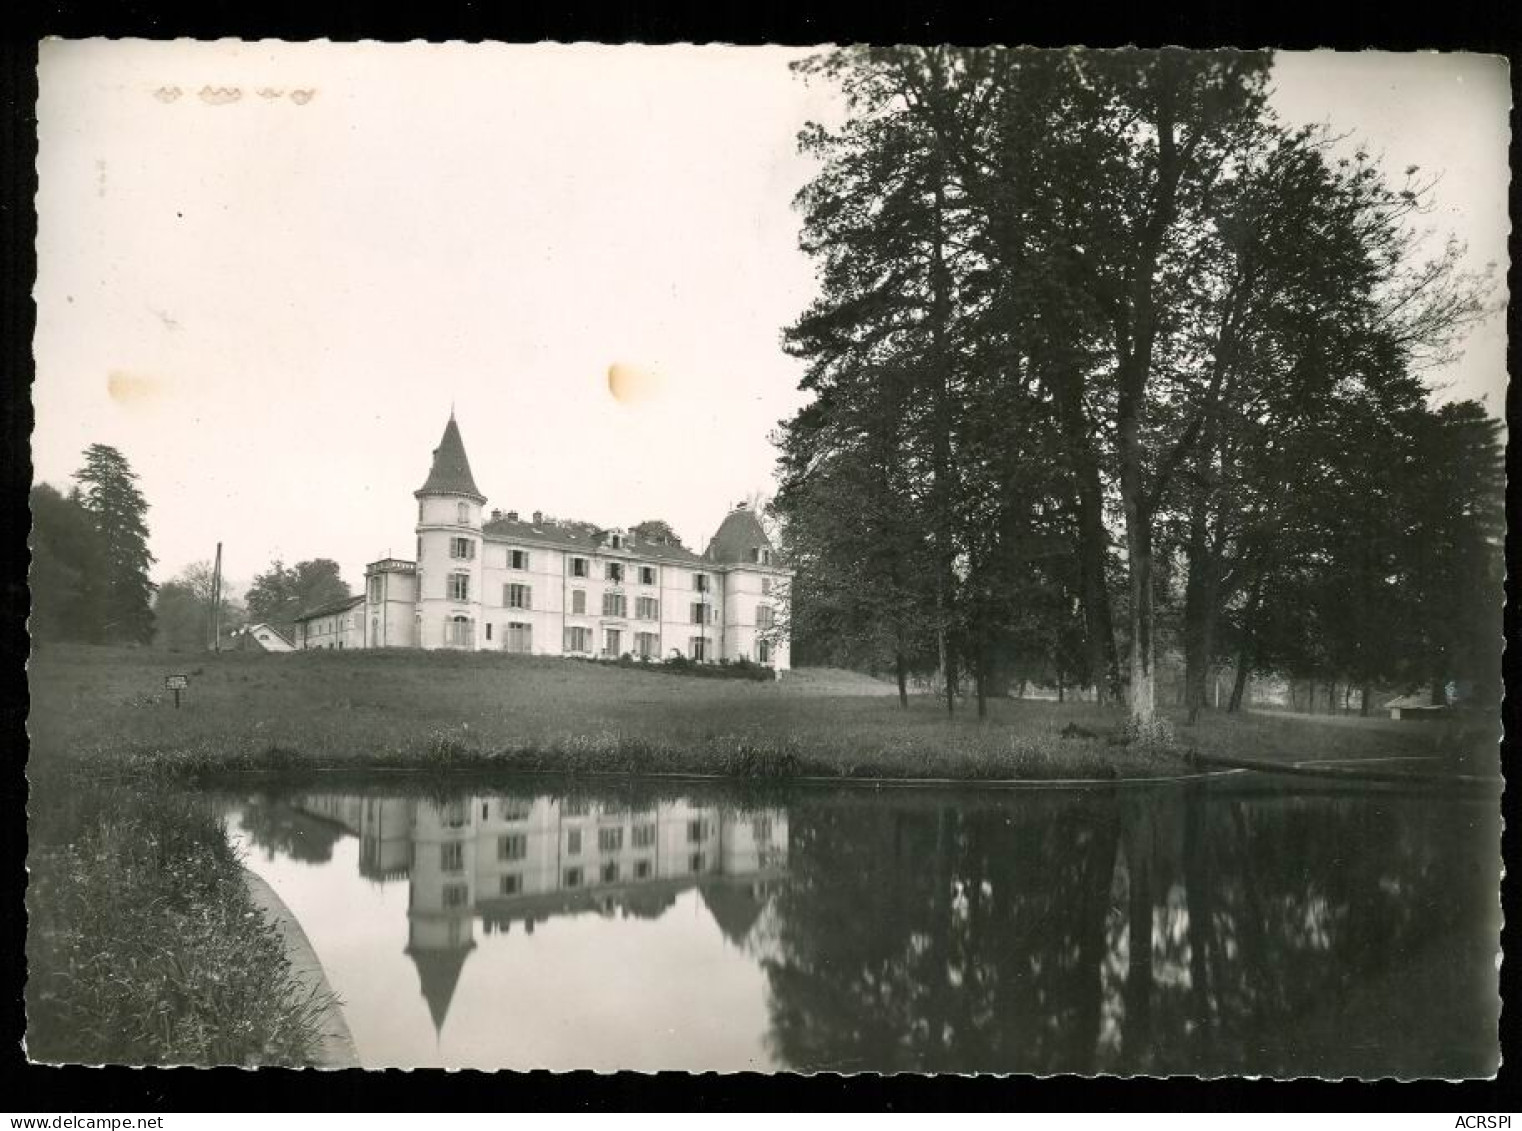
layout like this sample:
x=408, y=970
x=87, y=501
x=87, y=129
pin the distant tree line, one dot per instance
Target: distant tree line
x=183, y=610
x=1107, y=362
x=89, y=574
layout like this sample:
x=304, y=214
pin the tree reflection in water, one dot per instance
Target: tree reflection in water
x=277, y=827
x=1284, y=935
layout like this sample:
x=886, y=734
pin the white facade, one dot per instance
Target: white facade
x=514, y=862
x=548, y=588
x=340, y=625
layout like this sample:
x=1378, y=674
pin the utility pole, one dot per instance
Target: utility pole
x=216, y=602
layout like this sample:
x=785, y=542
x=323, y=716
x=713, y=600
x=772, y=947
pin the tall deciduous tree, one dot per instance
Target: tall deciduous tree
x=1068, y=294
x=280, y=594
x=1453, y=551
x=870, y=480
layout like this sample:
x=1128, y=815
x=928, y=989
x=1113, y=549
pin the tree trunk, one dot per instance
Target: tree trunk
x=1093, y=543
x=901, y=669
x=1439, y=691
x=1365, y=693
x=1139, y=550
x=980, y=681
x=1239, y=687
x=940, y=321
x=946, y=672
x=1202, y=599
x=943, y=873
x=1197, y=893
x=1066, y=384
x=1136, y=1038
x=1135, y=337
x=1103, y=856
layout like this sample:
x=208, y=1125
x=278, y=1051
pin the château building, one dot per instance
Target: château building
x=517, y=862
x=549, y=587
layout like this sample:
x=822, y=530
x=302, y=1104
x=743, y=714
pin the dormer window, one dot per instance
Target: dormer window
x=616, y=541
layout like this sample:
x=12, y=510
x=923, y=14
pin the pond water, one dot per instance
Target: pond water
x=1212, y=928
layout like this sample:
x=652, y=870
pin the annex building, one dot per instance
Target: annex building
x=548, y=587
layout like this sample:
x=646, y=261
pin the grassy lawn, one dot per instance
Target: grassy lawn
x=324, y=710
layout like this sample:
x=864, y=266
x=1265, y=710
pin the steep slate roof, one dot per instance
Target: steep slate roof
x=738, y=533
x=734, y=908
x=438, y=974
x=450, y=473
x=569, y=534
x=330, y=608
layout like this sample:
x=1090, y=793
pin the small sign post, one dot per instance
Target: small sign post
x=177, y=684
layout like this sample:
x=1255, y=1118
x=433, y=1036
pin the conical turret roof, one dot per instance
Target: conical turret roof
x=739, y=534
x=734, y=908
x=450, y=473
x=438, y=974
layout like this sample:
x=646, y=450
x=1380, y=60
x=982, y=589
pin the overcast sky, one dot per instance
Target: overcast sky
x=271, y=303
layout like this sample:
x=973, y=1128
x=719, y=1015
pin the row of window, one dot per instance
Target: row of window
x=330, y=624
x=462, y=513
x=514, y=846
x=517, y=596
x=647, y=645
x=518, y=637
x=511, y=883
x=457, y=896
x=464, y=550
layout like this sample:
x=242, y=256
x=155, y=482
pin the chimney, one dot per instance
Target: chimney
x=742, y=505
x=495, y=514
x=538, y=516
x=512, y=516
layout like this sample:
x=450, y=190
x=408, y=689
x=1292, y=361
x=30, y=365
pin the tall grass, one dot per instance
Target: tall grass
x=144, y=945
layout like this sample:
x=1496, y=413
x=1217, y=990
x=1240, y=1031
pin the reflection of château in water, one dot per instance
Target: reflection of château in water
x=519, y=860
